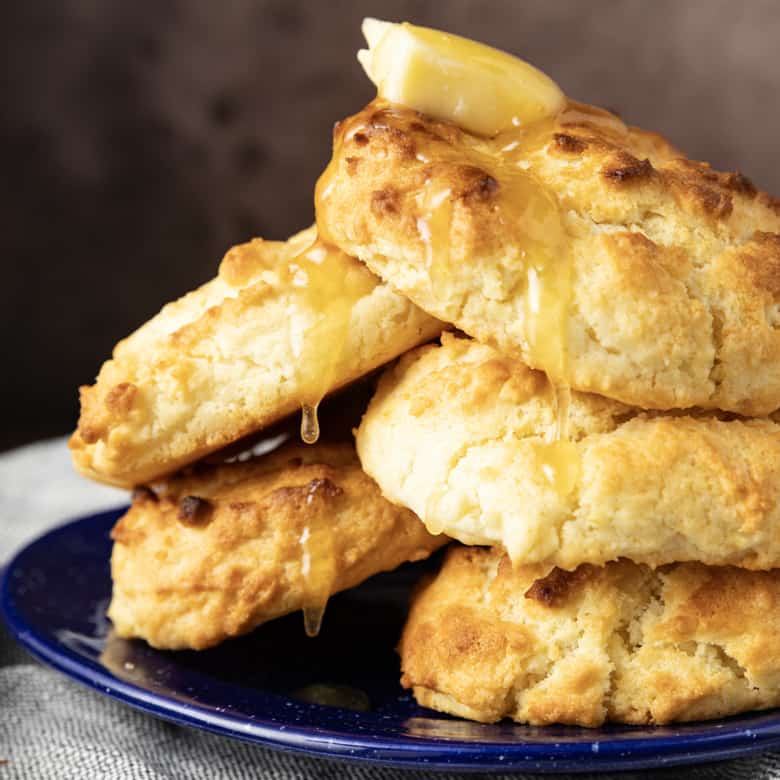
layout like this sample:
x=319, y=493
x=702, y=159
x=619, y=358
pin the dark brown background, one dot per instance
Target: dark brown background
x=141, y=139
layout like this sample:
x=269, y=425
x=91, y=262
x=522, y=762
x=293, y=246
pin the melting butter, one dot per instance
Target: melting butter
x=481, y=89
x=328, y=283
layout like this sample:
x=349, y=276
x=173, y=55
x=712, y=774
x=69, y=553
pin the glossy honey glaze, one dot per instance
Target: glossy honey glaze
x=327, y=284
x=526, y=211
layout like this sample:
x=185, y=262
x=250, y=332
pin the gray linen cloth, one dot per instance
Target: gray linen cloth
x=51, y=727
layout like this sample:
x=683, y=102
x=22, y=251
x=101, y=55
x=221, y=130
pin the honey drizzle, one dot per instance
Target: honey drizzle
x=557, y=455
x=434, y=518
x=318, y=562
x=546, y=306
x=562, y=406
x=329, y=283
x=532, y=215
x=435, y=230
x=535, y=220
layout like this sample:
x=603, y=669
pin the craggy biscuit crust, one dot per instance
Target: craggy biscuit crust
x=675, y=267
x=219, y=364
x=213, y=554
x=621, y=643
x=455, y=433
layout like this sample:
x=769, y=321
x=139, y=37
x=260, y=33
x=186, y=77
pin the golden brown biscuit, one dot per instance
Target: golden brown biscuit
x=213, y=554
x=662, y=275
x=459, y=434
x=621, y=643
x=239, y=353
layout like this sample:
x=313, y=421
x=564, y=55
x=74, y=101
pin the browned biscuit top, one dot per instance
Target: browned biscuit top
x=667, y=272
x=283, y=324
x=213, y=553
x=623, y=642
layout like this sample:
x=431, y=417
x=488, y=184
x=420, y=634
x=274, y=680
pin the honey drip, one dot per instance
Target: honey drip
x=328, y=283
x=312, y=620
x=558, y=456
x=562, y=404
x=434, y=516
x=559, y=462
x=318, y=561
x=310, y=424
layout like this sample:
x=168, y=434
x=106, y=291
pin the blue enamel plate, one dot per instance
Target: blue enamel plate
x=262, y=688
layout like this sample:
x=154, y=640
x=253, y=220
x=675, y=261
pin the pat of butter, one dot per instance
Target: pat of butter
x=481, y=89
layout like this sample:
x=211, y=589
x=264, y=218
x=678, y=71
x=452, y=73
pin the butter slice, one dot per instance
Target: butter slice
x=481, y=89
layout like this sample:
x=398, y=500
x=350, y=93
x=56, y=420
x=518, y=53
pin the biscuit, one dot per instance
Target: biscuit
x=460, y=434
x=621, y=643
x=662, y=275
x=214, y=553
x=231, y=358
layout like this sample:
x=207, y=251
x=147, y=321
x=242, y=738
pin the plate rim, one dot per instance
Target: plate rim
x=443, y=753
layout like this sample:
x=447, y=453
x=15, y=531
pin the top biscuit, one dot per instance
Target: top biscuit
x=281, y=325
x=662, y=275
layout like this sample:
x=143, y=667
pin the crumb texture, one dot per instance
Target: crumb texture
x=458, y=432
x=621, y=643
x=220, y=363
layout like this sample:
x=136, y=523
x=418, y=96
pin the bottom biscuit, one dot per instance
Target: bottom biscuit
x=214, y=553
x=621, y=643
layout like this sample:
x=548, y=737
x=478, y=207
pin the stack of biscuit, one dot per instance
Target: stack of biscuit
x=223, y=534
x=599, y=433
